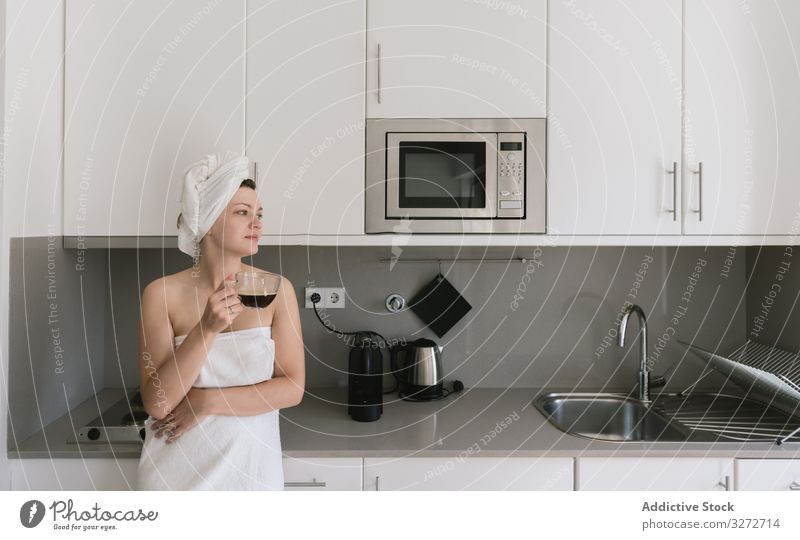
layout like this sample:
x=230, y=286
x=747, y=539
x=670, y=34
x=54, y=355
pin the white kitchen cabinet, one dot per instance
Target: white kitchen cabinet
x=322, y=474
x=149, y=89
x=767, y=474
x=468, y=473
x=614, y=118
x=654, y=474
x=456, y=59
x=742, y=117
x=61, y=474
x=305, y=114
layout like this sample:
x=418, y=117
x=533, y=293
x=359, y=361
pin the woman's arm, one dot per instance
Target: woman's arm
x=287, y=385
x=166, y=374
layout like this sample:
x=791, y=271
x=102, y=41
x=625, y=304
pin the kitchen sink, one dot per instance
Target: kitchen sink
x=671, y=417
x=609, y=417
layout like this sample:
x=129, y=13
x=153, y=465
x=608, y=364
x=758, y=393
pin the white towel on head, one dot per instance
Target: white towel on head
x=208, y=187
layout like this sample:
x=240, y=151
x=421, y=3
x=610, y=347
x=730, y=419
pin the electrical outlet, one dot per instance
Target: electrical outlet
x=334, y=298
x=322, y=293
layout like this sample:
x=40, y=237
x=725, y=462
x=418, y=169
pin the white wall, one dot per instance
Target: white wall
x=32, y=97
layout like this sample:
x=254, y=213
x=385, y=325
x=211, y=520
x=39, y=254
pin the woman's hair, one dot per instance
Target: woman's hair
x=247, y=182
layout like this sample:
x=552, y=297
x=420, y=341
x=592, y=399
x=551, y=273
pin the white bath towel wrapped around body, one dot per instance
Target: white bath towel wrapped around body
x=222, y=452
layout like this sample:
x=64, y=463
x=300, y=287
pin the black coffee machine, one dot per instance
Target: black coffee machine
x=365, y=379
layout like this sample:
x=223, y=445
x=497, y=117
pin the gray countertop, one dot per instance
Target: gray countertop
x=479, y=422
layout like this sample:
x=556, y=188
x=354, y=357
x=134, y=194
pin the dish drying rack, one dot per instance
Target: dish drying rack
x=768, y=374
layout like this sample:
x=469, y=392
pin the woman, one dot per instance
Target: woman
x=213, y=373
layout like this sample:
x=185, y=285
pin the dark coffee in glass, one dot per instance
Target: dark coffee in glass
x=257, y=289
x=257, y=299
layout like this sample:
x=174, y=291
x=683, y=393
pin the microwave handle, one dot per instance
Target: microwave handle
x=379, y=74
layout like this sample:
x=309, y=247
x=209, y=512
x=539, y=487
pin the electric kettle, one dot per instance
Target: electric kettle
x=418, y=369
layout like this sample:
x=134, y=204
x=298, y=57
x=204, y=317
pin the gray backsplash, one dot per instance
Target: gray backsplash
x=56, y=332
x=558, y=332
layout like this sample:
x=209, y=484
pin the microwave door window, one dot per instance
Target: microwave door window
x=442, y=174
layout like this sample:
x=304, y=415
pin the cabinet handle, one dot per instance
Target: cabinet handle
x=377, y=483
x=699, y=173
x=794, y=486
x=379, y=72
x=313, y=483
x=674, y=173
x=726, y=484
x=255, y=172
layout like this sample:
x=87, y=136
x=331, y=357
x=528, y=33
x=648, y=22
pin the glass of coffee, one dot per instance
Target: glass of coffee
x=257, y=289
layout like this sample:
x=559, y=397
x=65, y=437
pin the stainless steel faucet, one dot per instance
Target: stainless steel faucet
x=644, y=374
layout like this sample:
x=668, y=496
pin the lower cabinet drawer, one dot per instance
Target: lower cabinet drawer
x=474, y=473
x=767, y=474
x=337, y=474
x=654, y=474
x=73, y=474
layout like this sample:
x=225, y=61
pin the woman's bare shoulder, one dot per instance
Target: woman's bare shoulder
x=171, y=283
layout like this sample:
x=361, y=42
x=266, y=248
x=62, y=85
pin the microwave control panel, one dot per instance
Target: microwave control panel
x=511, y=175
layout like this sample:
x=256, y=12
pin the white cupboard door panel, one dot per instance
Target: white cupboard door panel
x=73, y=474
x=654, y=474
x=305, y=114
x=470, y=473
x=768, y=474
x=322, y=474
x=742, y=118
x=456, y=59
x=149, y=89
x=614, y=132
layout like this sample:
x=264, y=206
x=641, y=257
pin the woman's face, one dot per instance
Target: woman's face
x=238, y=228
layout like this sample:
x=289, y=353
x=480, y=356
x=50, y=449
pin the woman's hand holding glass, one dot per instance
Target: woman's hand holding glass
x=222, y=307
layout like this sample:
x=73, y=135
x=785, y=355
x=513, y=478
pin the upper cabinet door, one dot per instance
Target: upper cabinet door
x=456, y=59
x=150, y=87
x=305, y=114
x=614, y=132
x=742, y=118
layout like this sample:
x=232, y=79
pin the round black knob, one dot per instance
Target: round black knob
x=93, y=434
x=142, y=434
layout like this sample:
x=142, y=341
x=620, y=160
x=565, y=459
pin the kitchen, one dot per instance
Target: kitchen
x=659, y=172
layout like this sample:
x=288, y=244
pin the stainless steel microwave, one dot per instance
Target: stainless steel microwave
x=447, y=176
